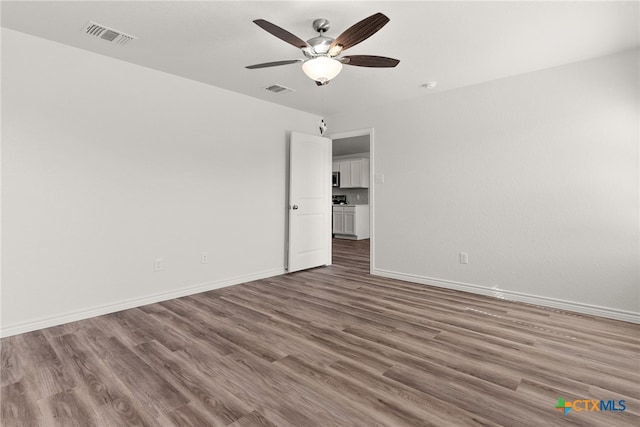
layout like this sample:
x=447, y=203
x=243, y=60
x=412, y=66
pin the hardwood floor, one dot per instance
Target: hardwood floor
x=331, y=346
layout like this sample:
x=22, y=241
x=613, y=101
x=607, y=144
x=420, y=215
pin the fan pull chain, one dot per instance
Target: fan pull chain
x=322, y=125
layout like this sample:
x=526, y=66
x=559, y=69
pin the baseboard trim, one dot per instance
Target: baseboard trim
x=593, y=310
x=73, y=316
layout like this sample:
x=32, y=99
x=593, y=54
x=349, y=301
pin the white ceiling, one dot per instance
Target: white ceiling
x=352, y=145
x=454, y=43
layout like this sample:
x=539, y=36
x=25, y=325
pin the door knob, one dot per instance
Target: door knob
x=294, y=207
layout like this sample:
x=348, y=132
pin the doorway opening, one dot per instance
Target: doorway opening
x=353, y=190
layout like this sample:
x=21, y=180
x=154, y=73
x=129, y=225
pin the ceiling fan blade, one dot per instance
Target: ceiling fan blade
x=281, y=33
x=358, y=32
x=273, y=64
x=369, y=61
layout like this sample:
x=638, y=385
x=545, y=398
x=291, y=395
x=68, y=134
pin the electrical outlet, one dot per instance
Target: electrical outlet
x=464, y=258
x=204, y=258
x=357, y=197
x=157, y=264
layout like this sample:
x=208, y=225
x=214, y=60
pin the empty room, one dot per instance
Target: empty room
x=320, y=213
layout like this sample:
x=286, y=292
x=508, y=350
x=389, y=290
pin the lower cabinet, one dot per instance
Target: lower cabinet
x=351, y=222
x=338, y=220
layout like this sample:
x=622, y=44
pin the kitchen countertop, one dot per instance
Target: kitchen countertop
x=350, y=205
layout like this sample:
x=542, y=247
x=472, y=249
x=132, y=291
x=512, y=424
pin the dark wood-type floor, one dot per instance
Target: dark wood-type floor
x=327, y=347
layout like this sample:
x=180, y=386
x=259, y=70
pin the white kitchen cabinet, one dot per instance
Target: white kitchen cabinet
x=345, y=174
x=335, y=166
x=338, y=220
x=351, y=222
x=354, y=173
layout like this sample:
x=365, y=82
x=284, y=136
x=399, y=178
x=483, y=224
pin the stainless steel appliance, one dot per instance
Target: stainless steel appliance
x=336, y=179
x=338, y=199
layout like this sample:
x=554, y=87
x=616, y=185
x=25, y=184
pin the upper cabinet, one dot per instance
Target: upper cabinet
x=354, y=173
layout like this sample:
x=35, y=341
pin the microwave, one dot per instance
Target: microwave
x=336, y=179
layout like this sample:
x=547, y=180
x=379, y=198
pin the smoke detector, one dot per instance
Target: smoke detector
x=105, y=33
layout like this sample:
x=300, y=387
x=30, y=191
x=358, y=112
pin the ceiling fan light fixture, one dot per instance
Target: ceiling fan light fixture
x=322, y=69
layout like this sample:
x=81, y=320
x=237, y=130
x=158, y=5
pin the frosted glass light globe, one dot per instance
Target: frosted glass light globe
x=322, y=69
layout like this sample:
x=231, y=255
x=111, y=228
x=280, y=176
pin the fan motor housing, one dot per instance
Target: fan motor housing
x=319, y=46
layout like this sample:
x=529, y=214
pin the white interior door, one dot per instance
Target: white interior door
x=309, y=201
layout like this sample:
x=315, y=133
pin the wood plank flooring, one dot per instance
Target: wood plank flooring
x=331, y=346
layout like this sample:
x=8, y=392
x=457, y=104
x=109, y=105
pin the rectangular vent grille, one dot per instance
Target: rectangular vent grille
x=106, y=33
x=276, y=88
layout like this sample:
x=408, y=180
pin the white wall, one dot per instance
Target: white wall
x=107, y=166
x=535, y=176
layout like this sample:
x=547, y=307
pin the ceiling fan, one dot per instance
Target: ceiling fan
x=323, y=62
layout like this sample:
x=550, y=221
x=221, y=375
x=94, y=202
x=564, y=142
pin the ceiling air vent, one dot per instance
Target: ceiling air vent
x=106, y=33
x=276, y=88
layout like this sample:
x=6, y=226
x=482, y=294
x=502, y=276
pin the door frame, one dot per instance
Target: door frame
x=372, y=182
